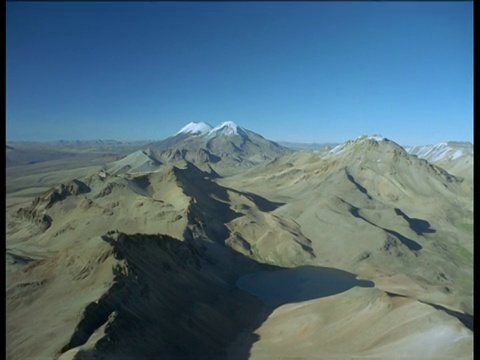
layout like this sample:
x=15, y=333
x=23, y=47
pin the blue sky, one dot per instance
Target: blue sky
x=294, y=71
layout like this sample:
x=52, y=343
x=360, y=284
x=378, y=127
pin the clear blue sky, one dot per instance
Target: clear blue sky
x=294, y=71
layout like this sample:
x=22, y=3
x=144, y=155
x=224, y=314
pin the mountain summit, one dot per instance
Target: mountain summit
x=195, y=128
x=227, y=128
x=225, y=144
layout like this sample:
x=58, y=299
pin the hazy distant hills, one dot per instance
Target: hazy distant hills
x=307, y=146
x=29, y=152
x=139, y=256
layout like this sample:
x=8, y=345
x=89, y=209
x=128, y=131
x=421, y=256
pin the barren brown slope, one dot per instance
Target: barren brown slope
x=370, y=208
x=55, y=252
x=396, y=222
x=134, y=296
x=227, y=148
x=362, y=323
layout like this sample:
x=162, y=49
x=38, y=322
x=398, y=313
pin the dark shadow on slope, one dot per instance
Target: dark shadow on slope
x=276, y=288
x=59, y=193
x=201, y=180
x=411, y=244
x=212, y=173
x=16, y=259
x=168, y=302
x=262, y=203
x=418, y=225
x=143, y=182
x=359, y=187
x=465, y=319
x=210, y=206
x=212, y=158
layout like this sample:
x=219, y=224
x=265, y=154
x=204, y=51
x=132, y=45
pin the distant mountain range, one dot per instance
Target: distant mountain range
x=224, y=145
x=307, y=146
x=454, y=156
x=450, y=150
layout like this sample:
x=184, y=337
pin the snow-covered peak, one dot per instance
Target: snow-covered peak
x=226, y=128
x=338, y=149
x=375, y=137
x=195, y=128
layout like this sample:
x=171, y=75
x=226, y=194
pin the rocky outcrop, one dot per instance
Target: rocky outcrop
x=36, y=211
x=61, y=192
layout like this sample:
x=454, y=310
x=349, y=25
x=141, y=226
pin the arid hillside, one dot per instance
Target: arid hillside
x=196, y=247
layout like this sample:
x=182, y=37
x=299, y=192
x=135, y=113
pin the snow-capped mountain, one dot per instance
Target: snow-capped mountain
x=454, y=156
x=381, y=169
x=195, y=128
x=226, y=142
x=449, y=158
x=444, y=151
x=227, y=128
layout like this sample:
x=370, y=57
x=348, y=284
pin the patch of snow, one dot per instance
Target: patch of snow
x=195, y=128
x=376, y=138
x=457, y=154
x=426, y=151
x=442, y=153
x=440, y=156
x=338, y=149
x=435, y=152
x=226, y=128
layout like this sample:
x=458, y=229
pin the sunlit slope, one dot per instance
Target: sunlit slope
x=362, y=323
x=103, y=260
x=370, y=207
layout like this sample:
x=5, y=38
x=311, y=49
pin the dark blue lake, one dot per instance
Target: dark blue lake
x=303, y=283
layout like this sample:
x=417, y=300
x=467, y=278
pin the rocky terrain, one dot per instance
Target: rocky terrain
x=216, y=243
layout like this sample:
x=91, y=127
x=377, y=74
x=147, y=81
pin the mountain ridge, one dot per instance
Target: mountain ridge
x=226, y=144
x=142, y=257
